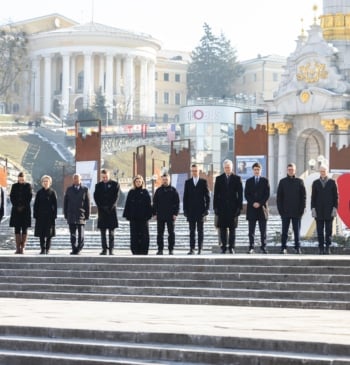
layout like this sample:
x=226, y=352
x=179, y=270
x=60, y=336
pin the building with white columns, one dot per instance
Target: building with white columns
x=70, y=62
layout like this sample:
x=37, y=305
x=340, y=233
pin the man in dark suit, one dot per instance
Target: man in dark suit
x=106, y=196
x=76, y=210
x=291, y=202
x=228, y=198
x=166, y=206
x=324, y=205
x=257, y=193
x=196, y=201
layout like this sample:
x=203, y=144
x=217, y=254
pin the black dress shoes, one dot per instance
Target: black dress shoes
x=171, y=252
x=283, y=251
x=231, y=250
x=190, y=252
x=160, y=252
x=298, y=250
x=250, y=251
x=223, y=249
x=263, y=250
x=103, y=252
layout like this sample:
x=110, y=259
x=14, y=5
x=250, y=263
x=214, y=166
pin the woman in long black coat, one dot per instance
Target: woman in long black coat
x=20, y=219
x=45, y=214
x=138, y=211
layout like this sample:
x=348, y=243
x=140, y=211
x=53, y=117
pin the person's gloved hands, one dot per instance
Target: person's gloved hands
x=313, y=213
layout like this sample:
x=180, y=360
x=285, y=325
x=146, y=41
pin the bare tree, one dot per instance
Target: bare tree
x=13, y=60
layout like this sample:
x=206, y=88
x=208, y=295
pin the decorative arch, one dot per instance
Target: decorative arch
x=310, y=145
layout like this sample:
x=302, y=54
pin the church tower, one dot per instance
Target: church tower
x=335, y=23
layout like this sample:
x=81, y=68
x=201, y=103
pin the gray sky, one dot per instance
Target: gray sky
x=253, y=26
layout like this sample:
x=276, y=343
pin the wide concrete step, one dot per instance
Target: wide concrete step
x=229, y=280
x=20, y=346
x=251, y=282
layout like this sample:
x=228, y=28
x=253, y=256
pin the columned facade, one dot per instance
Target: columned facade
x=70, y=65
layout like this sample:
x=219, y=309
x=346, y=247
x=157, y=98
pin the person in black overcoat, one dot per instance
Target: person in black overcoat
x=257, y=193
x=138, y=211
x=20, y=197
x=228, y=201
x=196, y=200
x=106, y=196
x=76, y=210
x=2, y=203
x=291, y=202
x=324, y=206
x=45, y=214
x=166, y=206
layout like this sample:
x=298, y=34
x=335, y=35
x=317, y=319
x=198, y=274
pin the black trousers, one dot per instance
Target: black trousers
x=251, y=231
x=160, y=233
x=77, y=245
x=296, y=230
x=324, y=231
x=104, y=239
x=199, y=225
x=231, y=236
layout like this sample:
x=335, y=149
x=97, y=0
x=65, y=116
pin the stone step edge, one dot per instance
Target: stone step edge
x=253, y=302
x=169, y=341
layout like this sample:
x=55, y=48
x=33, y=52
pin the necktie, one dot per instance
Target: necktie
x=256, y=180
x=227, y=179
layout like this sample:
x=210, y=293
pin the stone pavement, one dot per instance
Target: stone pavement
x=328, y=326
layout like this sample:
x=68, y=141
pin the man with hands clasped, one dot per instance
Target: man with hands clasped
x=324, y=205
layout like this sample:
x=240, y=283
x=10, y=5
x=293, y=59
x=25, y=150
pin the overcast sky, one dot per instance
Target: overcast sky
x=253, y=26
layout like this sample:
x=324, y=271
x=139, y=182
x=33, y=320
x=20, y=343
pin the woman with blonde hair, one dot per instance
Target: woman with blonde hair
x=45, y=214
x=138, y=211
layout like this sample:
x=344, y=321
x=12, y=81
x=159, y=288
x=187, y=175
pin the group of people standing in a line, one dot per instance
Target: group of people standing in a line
x=139, y=209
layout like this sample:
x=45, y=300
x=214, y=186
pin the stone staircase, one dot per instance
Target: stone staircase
x=217, y=280
x=39, y=346
x=265, y=281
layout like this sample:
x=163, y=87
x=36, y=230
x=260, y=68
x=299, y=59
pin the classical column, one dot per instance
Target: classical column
x=143, y=87
x=343, y=128
x=65, y=84
x=329, y=127
x=271, y=159
x=72, y=73
x=109, y=82
x=118, y=73
x=47, y=85
x=102, y=72
x=87, y=80
x=151, y=89
x=36, y=84
x=129, y=85
x=283, y=128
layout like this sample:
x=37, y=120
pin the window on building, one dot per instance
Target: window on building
x=177, y=78
x=255, y=77
x=177, y=98
x=156, y=76
x=156, y=97
x=166, y=98
x=81, y=80
x=165, y=118
x=166, y=76
x=275, y=76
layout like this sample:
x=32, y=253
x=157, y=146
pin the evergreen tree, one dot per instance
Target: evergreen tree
x=99, y=106
x=213, y=68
